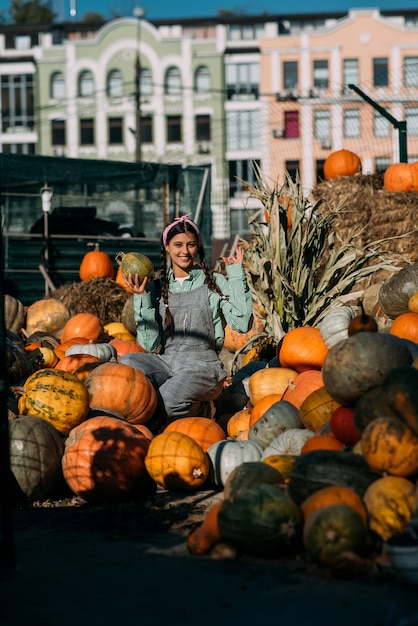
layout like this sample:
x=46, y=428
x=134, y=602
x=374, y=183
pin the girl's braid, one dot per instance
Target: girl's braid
x=168, y=320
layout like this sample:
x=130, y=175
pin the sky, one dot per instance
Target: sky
x=167, y=9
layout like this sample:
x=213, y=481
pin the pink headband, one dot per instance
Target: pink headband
x=180, y=220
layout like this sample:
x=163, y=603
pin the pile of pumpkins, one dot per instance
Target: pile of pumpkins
x=320, y=455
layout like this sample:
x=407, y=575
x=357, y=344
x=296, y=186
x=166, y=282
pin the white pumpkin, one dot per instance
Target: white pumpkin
x=334, y=326
x=103, y=351
x=226, y=455
x=281, y=416
x=289, y=442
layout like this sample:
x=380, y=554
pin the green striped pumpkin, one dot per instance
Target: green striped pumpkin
x=56, y=396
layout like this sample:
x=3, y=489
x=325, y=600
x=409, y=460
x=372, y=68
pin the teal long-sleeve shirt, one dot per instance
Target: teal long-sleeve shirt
x=235, y=309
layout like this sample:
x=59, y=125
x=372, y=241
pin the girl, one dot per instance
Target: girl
x=182, y=325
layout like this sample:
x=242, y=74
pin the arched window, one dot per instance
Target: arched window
x=85, y=84
x=114, y=84
x=57, y=87
x=202, y=80
x=145, y=87
x=172, y=83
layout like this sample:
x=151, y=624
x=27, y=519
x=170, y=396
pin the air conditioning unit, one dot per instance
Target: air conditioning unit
x=278, y=133
x=203, y=147
x=326, y=143
x=59, y=151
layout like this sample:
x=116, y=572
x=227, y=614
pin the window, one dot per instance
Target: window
x=411, y=117
x=87, y=132
x=145, y=129
x=172, y=84
x=319, y=170
x=290, y=74
x=320, y=74
x=202, y=127
x=58, y=133
x=243, y=130
x=291, y=124
x=380, y=72
x=114, y=84
x=350, y=72
x=322, y=128
x=244, y=170
x=115, y=130
x=242, y=81
x=410, y=72
x=57, y=89
x=85, y=84
x=248, y=32
x=17, y=106
x=173, y=128
x=145, y=85
x=202, y=80
x=381, y=164
x=381, y=125
x=292, y=168
x=351, y=122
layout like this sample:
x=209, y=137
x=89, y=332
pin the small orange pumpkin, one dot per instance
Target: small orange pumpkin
x=235, y=340
x=203, y=430
x=123, y=346
x=119, y=279
x=95, y=264
x=341, y=163
x=317, y=408
x=401, y=177
x=300, y=387
x=72, y=362
x=82, y=325
x=322, y=442
x=206, y=535
x=238, y=422
x=405, y=326
x=262, y=406
x=334, y=494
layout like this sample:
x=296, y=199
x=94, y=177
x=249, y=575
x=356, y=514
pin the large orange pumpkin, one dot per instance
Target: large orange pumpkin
x=401, y=177
x=203, y=430
x=104, y=460
x=48, y=315
x=95, y=264
x=305, y=383
x=302, y=349
x=85, y=325
x=269, y=380
x=341, y=163
x=177, y=462
x=122, y=388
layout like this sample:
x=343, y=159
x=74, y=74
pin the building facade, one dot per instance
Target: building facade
x=230, y=91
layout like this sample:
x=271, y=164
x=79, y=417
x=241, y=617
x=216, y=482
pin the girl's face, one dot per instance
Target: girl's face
x=183, y=250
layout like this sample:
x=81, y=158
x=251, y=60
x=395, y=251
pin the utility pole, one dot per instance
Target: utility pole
x=139, y=13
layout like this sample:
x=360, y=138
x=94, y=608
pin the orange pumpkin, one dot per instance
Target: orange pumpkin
x=235, y=340
x=334, y=495
x=48, y=315
x=62, y=348
x=305, y=383
x=123, y=346
x=202, y=539
x=238, y=422
x=203, y=430
x=401, y=177
x=303, y=349
x=104, y=460
x=124, y=389
x=82, y=325
x=72, y=362
x=317, y=408
x=341, y=163
x=322, y=442
x=405, y=326
x=269, y=380
x=121, y=281
x=177, y=462
x=413, y=303
x=95, y=264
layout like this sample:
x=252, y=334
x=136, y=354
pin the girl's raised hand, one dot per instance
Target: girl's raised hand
x=133, y=281
x=238, y=258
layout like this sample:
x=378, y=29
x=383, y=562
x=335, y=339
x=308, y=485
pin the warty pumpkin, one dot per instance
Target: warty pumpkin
x=104, y=460
x=177, y=462
x=96, y=263
x=391, y=501
x=55, y=396
x=122, y=388
x=389, y=445
x=302, y=349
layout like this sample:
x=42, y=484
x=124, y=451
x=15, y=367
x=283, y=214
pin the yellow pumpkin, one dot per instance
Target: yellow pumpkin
x=317, y=408
x=390, y=446
x=390, y=501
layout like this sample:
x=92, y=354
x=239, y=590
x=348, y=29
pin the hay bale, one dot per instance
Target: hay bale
x=377, y=213
x=101, y=296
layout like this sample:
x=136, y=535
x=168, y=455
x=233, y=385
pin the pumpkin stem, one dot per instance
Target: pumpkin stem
x=95, y=245
x=119, y=257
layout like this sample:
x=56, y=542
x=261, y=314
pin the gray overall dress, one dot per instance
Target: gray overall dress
x=189, y=372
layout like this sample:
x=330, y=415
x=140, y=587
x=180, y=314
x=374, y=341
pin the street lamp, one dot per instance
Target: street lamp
x=46, y=198
x=138, y=13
